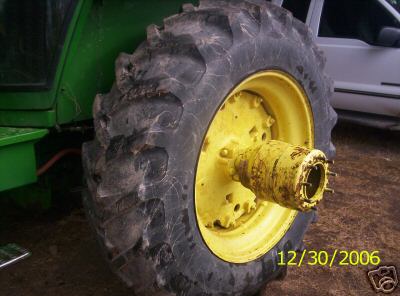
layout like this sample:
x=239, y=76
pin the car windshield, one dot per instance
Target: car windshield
x=395, y=4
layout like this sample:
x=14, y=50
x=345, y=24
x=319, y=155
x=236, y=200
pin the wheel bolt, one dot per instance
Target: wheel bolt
x=329, y=190
x=224, y=152
x=269, y=122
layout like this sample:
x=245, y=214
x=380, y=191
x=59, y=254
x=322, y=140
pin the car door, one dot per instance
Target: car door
x=367, y=76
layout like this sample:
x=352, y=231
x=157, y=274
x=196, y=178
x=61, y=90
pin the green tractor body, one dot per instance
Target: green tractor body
x=55, y=57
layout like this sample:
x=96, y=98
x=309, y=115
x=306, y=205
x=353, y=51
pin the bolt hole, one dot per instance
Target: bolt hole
x=217, y=223
x=253, y=132
x=236, y=117
x=264, y=136
x=229, y=197
x=237, y=207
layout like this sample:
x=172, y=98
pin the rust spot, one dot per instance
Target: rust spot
x=205, y=144
x=242, y=172
x=297, y=152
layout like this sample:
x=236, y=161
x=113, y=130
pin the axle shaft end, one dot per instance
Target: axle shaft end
x=291, y=176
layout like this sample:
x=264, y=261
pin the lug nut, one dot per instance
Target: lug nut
x=224, y=152
x=269, y=122
x=256, y=102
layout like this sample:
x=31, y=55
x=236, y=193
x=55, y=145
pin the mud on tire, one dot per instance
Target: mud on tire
x=140, y=169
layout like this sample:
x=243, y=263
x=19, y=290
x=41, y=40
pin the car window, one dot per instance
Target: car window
x=298, y=8
x=395, y=4
x=356, y=19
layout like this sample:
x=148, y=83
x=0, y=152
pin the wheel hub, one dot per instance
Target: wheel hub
x=257, y=168
x=291, y=176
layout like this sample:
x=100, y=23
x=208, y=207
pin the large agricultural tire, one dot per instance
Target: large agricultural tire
x=141, y=167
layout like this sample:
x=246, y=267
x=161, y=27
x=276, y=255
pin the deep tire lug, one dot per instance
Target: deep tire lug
x=301, y=247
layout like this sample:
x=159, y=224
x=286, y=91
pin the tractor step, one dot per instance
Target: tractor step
x=12, y=253
x=17, y=156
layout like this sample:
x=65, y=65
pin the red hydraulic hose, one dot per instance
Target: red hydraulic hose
x=57, y=157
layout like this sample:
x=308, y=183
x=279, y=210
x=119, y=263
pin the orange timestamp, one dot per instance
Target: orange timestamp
x=325, y=258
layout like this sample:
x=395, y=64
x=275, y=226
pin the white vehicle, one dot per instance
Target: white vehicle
x=361, y=40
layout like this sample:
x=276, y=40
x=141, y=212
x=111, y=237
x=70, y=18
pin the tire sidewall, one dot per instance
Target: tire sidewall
x=185, y=264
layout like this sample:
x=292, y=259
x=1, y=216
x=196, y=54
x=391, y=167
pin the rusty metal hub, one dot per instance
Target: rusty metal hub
x=292, y=176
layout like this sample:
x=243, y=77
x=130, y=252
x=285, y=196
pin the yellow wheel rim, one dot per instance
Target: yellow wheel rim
x=236, y=226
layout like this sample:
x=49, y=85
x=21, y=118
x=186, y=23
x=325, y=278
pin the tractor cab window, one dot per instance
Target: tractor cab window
x=357, y=19
x=31, y=37
x=298, y=8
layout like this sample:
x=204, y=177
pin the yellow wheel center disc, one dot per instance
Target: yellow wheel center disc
x=236, y=226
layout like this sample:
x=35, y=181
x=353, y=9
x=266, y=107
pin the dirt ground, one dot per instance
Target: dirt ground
x=364, y=214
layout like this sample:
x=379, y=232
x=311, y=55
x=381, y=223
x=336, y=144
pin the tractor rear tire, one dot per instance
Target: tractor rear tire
x=140, y=169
